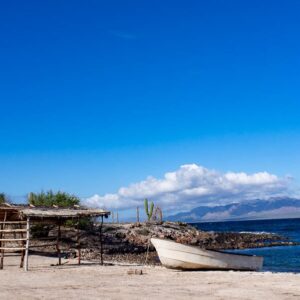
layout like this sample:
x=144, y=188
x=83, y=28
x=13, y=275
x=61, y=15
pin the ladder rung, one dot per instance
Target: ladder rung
x=12, y=240
x=13, y=222
x=12, y=230
x=5, y=248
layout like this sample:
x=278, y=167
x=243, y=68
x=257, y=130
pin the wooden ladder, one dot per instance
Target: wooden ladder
x=15, y=232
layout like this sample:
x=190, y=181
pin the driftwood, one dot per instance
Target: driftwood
x=135, y=272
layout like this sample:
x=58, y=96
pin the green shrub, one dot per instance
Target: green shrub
x=50, y=198
x=40, y=230
x=84, y=223
x=4, y=198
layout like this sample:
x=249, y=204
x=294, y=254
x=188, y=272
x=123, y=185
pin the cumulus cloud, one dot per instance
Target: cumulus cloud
x=193, y=185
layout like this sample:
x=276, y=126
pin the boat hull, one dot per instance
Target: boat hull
x=183, y=257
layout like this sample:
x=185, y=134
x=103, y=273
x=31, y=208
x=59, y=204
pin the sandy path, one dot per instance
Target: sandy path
x=113, y=282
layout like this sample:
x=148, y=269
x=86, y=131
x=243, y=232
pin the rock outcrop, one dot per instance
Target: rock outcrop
x=130, y=242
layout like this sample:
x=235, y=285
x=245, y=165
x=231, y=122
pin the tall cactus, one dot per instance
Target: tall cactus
x=148, y=213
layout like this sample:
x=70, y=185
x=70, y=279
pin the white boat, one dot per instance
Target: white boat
x=183, y=257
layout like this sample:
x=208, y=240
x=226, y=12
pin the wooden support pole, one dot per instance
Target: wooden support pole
x=23, y=241
x=2, y=243
x=137, y=214
x=113, y=217
x=27, y=244
x=1, y=235
x=117, y=218
x=101, y=242
x=15, y=235
x=57, y=244
x=78, y=243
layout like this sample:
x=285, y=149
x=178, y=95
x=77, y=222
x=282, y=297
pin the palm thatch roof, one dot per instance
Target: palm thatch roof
x=17, y=212
x=62, y=212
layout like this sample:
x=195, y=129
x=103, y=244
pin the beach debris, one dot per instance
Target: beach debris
x=135, y=272
x=61, y=264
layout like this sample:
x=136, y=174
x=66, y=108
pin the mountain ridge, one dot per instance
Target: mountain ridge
x=273, y=208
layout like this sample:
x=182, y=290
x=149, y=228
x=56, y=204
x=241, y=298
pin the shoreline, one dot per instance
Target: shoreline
x=92, y=281
x=242, y=220
x=129, y=242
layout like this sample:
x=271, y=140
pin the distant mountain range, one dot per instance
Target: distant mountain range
x=273, y=208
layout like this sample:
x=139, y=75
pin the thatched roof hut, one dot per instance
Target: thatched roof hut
x=19, y=217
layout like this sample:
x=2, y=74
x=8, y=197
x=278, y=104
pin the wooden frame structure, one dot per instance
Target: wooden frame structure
x=23, y=216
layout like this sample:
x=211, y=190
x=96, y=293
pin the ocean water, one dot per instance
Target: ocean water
x=276, y=259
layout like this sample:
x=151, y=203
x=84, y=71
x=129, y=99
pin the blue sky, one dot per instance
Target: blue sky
x=96, y=95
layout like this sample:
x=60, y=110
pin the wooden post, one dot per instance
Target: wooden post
x=101, y=242
x=27, y=244
x=78, y=243
x=1, y=236
x=57, y=244
x=117, y=218
x=2, y=251
x=23, y=246
x=113, y=217
x=161, y=215
x=137, y=214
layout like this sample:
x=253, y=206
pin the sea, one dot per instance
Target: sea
x=276, y=259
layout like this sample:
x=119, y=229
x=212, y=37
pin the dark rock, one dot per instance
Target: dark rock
x=130, y=242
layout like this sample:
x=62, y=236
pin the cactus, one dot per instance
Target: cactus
x=157, y=215
x=148, y=213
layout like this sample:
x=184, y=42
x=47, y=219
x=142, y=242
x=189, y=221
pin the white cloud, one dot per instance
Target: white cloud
x=193, y=185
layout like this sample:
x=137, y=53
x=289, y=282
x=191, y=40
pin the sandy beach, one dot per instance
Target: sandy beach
x=92, y=281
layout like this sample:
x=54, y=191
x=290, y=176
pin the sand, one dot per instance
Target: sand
x=92, y=281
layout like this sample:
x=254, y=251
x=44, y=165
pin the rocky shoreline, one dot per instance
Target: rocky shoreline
x=131, y=242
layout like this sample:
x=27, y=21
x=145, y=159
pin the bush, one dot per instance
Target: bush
x=40, y=230
x=50, y=198
x=3, y=198
x=84, y=223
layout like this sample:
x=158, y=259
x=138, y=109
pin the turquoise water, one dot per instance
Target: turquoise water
x=276, y=259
